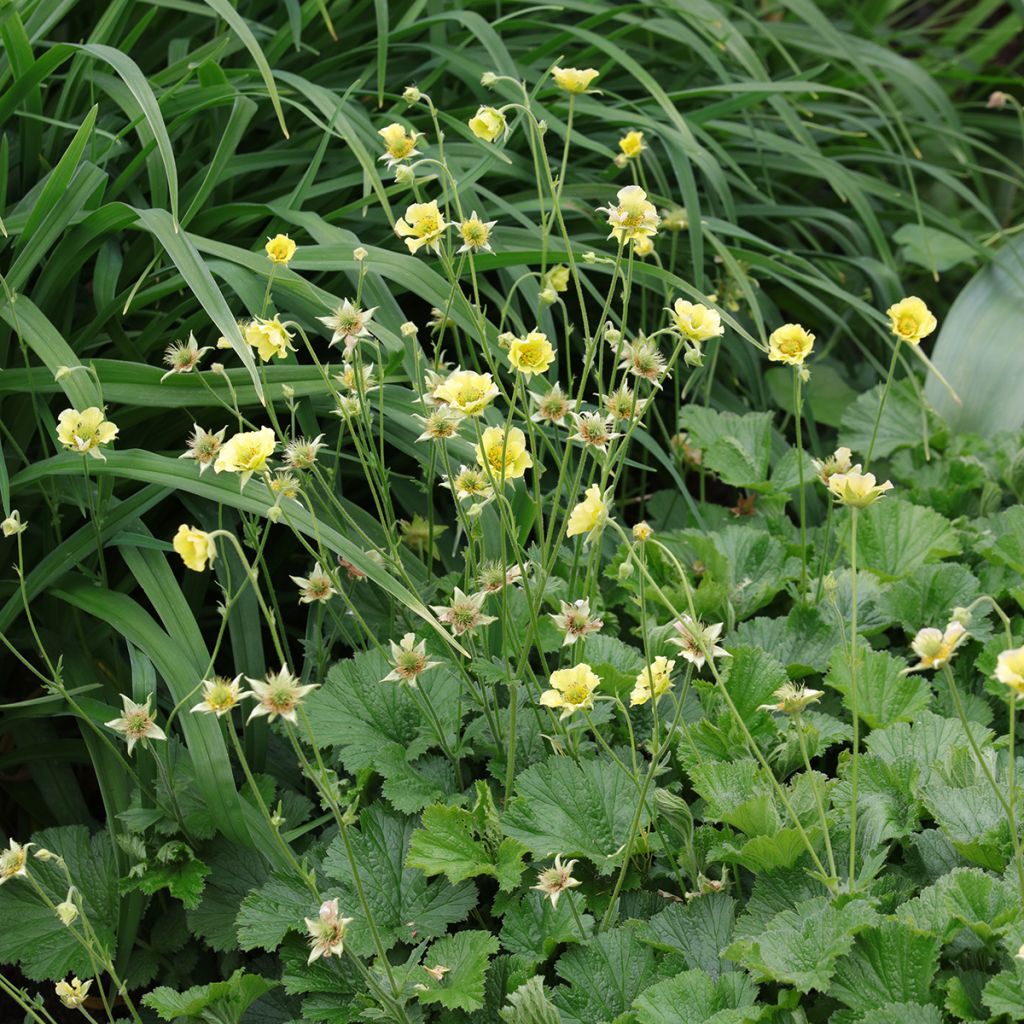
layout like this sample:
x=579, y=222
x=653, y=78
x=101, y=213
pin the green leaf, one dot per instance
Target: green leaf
x=530, y=1005
x=447, y=844
x=894, y=538
x=751, y=676
x=737, y=448
x=222, y=1001
x=582, y=810
x=903, y=425
x=532, y=929
x=802, y=641
x=890, y=962
x=884, y=695
x=932, y=249
x=929, y=594
x=985, y=904
x=234, y=872
x=184, y=881
x=902, y=1013
x=700, y=930
x=1004, y=994
x=466, y=956
x=695, y=997
x=277, y=907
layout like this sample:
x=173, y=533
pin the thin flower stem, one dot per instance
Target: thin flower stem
x=799, y=724
x=798, y=418
x=881, y=404
x=854, y=703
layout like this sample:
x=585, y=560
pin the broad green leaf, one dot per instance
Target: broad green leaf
x=1004, y=994
x=532, y=929
x=234, y=872
x=985, y=904
x=902, y=1013
x=932, y=249
x=699, y=930
x=695, y=997
x=894, y=538
x=929, y=594
x=751, y=676
x=222, y=1001
x=465, y=955
x=273, y=910
x=530, y=1005
x=884, y=694
x=802, y=641
x=736, y=448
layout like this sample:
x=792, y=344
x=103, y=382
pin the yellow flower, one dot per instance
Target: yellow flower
x=791, y=699
x=840, y=461
x=467, y=391
x=1010, y=670
x=558, y=278
x=631, y=145
x=246, y=453
x=196, y=547
x=507, y=457
x=270, y=338
x=488, y=124
x=220, y=695
x=634, y=217
x=790, y=344
x=856, y=488
x=642, y=247
x=911, y=320
x=572, y=689
x=72, y=994
x=13, y=861
x=476, y=234
x=423, y=224
x=399, y=143
x=590, y=515
x=85, y=431
x=280, y=249
x=532, y=354
x=574, y=80
x=137, y=723
x=696, y=321
x=654, y=681
x=935, y=647
x=554, y=881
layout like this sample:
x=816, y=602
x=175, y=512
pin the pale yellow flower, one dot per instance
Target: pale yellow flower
x=696, y=321
x=506, y=456
x=574, y=80
x=589, y=515
x=792, y=700
x=464, y=613
x=790, y=344
x=642, y=532
x=575, y=620
x=399, y=143
x=856, y=488
x=469, y=483
x=183, y=356
x=467, y=391
x=572, y=689
x=280, y=249
x=642, y=247
x=270, y=338
x=13, y=524
x=246, y=453
x=85, y=431
x=698, y=642
x=422, y=225
x=556, y=880
x=840, y=461
x=220, y=695
x=314, y=588
x=935, y=647
x=911, y=320
x=348, y=323
x=72, y=994
x=195, y=546
x=326, y=932
x=67, y=911
x=654, y=681
x=1010, y=670
x=557, y=278
x=409, y=660
x=551, y=407
x=475, y=234
x=532, y=354
x=489, y=124
x=633, y=217
x=279, y=694
x=631, y=145
x=203, y=446
x=136, y=723
x=13, y=861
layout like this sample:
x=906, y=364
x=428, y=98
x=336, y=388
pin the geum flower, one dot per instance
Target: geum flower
x=85, y=432
x=246, y=453
x=654, y=681
x=856, y=488
x=555, y=880
x=316, y=587
x=326, y=931
x=220, y=695
x=575, y=620
x=572, y=689
x=270, y=338
x=531, y=354
x=13, y=861
x=183, y=356
x=695, y=321
x=195, y=546
x=911, y=320
x=136, y=723
x=280, y=249
x=698, y=642
x=790, y=344
x=633, y=216
x=791, y=699
x=467, y=391
x=1010, y=670
x=464, y=613
x=489, y=124
x=504, y=454
x=935, y=647
x=590, y=515
x=409, y=660
x=475, y=234
x=280, y=694
x=399, y=143
x=422, y=225
x=348, y=323
x=574, y=80
x=204, y=446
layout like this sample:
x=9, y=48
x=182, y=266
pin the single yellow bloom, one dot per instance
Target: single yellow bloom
x=558, y=278
x=488, y=124
x=73, y=994
x=696, y=321
x=1010, y=670
x=631, y=145
x=654, y=681
x=634, y=217
x=792, y=700
x=507, y=458
x=399, y=143
x=280, y=249
x=85, y=431
x=572, y=689
x=589, y=515
x=423, y=224
x=911, y=320
x=195, y=546
x=574, y=80
x=467, y=391
x=856, y=488
x=642, y=247
x=935, y=647
x=790, y=344
x=532, y=354
x=270, y=338
x=246, y=453
x=476, y=234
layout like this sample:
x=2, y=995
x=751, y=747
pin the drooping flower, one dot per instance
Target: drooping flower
x=675, y=219
x=911, y=320
x=654, y=681
x=531, y=354
x=279, y=694
x=270, y=338
x=642, y=247
x=557, y=278
x=467, y=391
x=633, y=216
x=935, y=647
x=203, y=446
x=790, y=344
x=575, y=620
x=183, y=356
x=280, y=249
x=67, y=909
x=856, y=488
x=493, y=577
x=555, y=880
x=13, y=861
x=631, y=145
x=399, y=143
x=590, y=515
x=13, y=524
x=1010, y=670
x=408, y=660
x=697, y=641
x=246, y=453
x=136, y=723
x=464, y=613
x=326, y=932
x=195, y=546
x=792, y=700
x=422, y=225
x=489, y=124
x=642, y=532
x=348, y=323
x=74, y=993
x=420, y=535
x=574, y=80
x=220, y=695
x=86, y=431
x=475, y=234
x=314, y=588
x=572, y=689
x=840, y=461
x=696, y=321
